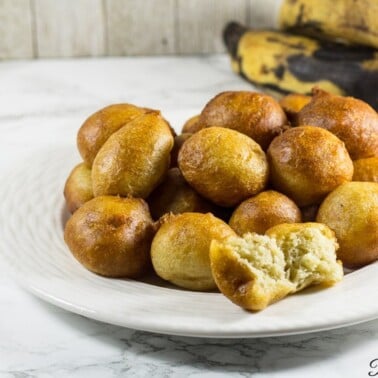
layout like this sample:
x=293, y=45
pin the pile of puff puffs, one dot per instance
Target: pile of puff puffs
x=255, y=198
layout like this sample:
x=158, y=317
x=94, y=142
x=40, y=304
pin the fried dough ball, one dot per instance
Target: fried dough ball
x=99, y=126
x=78, y=187
x=307, y=163
x=351, y=211
x=178, y=142
x=111, y=236
x=292, y=104
x=256, y=115
x=180, y=249
x=366, y=169
x=191, y=125
x=351, y=120
x=134, y=159
x=263, y=211
x=223, y=165
x=257, y=270
x=174, y=195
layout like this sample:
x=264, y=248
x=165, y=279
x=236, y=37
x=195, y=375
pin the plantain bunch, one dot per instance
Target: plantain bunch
x=329, y=47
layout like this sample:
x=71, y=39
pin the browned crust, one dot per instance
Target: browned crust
x=351, y=211
x=192, y=125
x=307, y=163
x=111, y=236
x=134, y=159
x=351, y=120
x=180, y=249
x=78, y=187
x=261, y=212
x=223, y=165
x=98, y=127
x=366, y=169
x=256, y=115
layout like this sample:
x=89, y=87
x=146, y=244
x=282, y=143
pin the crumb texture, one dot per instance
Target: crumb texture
x=257, y=270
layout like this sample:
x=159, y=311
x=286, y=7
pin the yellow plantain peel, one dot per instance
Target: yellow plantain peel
x=290, y=63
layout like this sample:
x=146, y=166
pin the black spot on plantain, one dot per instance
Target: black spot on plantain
x=337, y=52
x=299, y=19
x=311, y=28
x=264, y=69
x=279, y=71
x=271, y=86
x=348, y=74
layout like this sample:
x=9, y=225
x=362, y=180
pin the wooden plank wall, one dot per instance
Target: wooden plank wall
x=16, y=29
x=75, y=28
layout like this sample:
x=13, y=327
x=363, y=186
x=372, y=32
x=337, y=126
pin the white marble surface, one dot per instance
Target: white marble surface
x=51, y=98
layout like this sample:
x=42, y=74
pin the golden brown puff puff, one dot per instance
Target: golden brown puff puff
x=178, y=142
x=97, y=128
x=350, y=119
x=256, y=115
x=306, y=163
x=192, y=125
x=263, y=211
x=78, y=187
x=366, y=169
x=134, y=159
x=223, y=165
x=351, y=211
x=174, y=195
x=292, y=104
x=180, y=249
x=111, y=236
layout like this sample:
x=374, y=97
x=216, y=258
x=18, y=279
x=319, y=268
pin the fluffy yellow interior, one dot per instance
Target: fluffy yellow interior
x=262, y=251
x=294, y=260
x=264, y=258
x=310, y=258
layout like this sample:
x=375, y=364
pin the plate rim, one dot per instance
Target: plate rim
x=174, y=332
x=48, y=296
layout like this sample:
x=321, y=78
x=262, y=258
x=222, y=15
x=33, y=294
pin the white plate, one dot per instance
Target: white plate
x=31, y=237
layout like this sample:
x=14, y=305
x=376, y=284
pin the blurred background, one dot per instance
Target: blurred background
x=79, y=28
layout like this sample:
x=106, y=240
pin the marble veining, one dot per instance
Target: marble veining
x=42, y=103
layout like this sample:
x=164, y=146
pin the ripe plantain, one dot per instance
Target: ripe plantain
x=348, y=20
x=292, y=63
